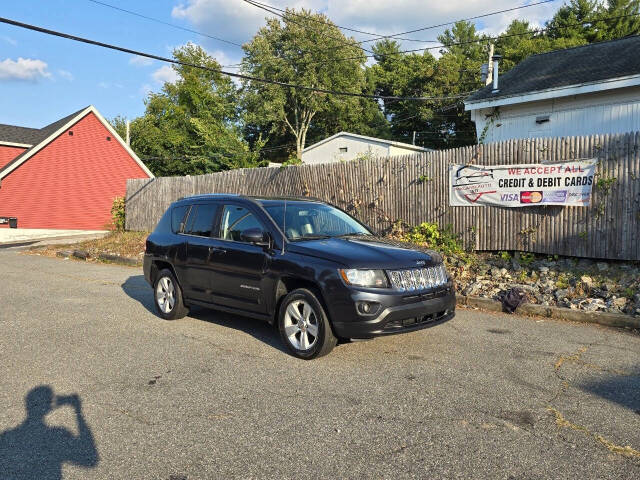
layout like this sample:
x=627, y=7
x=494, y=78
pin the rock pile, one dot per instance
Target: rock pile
x=564, y=282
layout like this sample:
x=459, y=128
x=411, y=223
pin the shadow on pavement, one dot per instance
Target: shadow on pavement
x=138, y=289
x=35, y=450
x=621, y=389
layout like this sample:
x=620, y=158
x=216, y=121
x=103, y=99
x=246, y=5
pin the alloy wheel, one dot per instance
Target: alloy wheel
x=165, y=295
x=301, y=325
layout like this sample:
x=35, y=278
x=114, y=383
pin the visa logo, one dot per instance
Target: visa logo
x=509, y=197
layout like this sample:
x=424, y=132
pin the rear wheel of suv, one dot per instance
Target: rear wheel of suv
x=304, y=326
x=168, y=296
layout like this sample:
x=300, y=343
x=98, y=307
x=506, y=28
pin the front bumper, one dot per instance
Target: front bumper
x=398, y=313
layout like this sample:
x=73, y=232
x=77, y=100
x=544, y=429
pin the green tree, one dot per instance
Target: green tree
x=192, y=125
x=437, y=123
x=307, y=49
x=625, y=21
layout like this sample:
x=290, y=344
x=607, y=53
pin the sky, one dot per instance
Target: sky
x=44, y=78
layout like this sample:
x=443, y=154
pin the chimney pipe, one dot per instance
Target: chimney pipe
x=496, y=59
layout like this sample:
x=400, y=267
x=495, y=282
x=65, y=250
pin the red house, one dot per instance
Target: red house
x=65, y=175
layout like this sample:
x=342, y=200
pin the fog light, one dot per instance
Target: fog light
x=367, y=308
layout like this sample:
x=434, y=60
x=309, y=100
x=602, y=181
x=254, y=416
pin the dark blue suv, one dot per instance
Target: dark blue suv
x=302, y=264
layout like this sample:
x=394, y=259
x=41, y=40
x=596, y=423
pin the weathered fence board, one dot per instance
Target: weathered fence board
x=415, y=189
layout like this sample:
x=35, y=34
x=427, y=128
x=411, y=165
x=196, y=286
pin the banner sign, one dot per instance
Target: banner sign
x=567, y=183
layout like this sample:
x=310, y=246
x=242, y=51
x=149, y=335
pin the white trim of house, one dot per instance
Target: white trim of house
x=90, y=109
x=577, y=89
x=407, y=146
x=13, y=144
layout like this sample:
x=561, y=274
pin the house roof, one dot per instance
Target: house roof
x=408, y=146
x=30, y=136
x=593, y=63
x=47, y=134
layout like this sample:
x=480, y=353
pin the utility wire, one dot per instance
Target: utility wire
x=217, y=70
x=396, y=35
x=500, y=37
x=173, y=25
x=269, y=9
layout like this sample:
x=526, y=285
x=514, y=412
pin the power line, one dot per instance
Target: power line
x=270, y=9
x=465, y=19
x=216, y=70
x=487, y=39
x=396, y=35
x=500, y=37
x=157, y=20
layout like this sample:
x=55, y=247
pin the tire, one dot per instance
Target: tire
x=167, y=296
x=301, y=317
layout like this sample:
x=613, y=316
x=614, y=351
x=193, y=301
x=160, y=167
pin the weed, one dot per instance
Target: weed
x=118, y=215
x=444, y=240
x=506, y=256
x=423, y=179
x=527, y=258
x=562, y=281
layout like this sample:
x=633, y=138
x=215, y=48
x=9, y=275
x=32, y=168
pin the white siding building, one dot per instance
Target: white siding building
x=593, y=89
x=348, y=146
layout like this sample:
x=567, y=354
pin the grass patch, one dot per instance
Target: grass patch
x=124, y=244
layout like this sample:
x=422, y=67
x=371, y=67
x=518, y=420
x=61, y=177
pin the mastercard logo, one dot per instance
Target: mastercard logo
x=530, y=197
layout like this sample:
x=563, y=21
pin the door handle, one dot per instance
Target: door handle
x=217, y=250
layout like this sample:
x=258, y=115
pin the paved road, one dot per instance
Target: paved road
x=214, y=396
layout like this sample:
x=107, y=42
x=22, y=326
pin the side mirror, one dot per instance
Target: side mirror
x=255, y=236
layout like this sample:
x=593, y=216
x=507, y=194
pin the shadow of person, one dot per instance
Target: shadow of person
x=36, y=450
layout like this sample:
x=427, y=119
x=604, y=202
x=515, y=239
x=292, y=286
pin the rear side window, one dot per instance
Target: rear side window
x=177, y=217
x=200, y=221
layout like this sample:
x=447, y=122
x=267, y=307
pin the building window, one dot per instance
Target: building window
x=343, y=149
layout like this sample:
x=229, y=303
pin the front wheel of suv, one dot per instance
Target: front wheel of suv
x=304, y=326
x=167, y=296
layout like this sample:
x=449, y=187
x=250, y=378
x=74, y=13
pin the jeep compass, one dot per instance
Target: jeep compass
x=303, y=265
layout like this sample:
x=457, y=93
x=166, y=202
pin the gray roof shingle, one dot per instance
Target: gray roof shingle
x=560, y=68
x=34, y=136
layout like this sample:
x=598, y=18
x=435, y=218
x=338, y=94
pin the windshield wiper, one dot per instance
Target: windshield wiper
x=311, y=237
x=355, y=234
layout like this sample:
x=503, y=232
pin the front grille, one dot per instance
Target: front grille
x=415, y=279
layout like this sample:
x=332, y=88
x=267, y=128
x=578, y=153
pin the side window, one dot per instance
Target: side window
x=235, y=220
x=200, y=220
x=177, y=217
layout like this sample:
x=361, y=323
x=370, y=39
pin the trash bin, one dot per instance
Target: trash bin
x=13, y=222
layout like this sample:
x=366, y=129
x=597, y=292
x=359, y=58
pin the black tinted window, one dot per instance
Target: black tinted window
x=177, y=217
x=235, y=220
x=201, y=220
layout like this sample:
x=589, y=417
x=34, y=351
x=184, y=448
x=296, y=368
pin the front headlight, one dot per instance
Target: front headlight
x=364, y=278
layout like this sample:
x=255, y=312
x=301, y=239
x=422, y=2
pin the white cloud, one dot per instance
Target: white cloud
x=165, y=74
x=145, y=89
x=24, y=69
x=107, y=85
x=239, y=21
x=139, y=61
x=236, y=20
x=9, y=40
x=67, y=75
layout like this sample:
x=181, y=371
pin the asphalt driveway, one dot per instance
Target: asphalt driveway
x=93, y=385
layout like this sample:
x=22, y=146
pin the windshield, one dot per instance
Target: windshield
x=306, y=220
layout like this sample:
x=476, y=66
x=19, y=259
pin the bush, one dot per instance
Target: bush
x=118, y=214
x=432, y=236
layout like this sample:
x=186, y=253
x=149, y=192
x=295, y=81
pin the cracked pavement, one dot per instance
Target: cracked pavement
x=215, y=396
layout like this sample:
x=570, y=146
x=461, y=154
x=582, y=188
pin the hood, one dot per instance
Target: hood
x=367, y=252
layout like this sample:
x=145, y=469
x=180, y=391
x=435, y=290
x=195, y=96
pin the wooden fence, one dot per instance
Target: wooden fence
x=415, y=189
